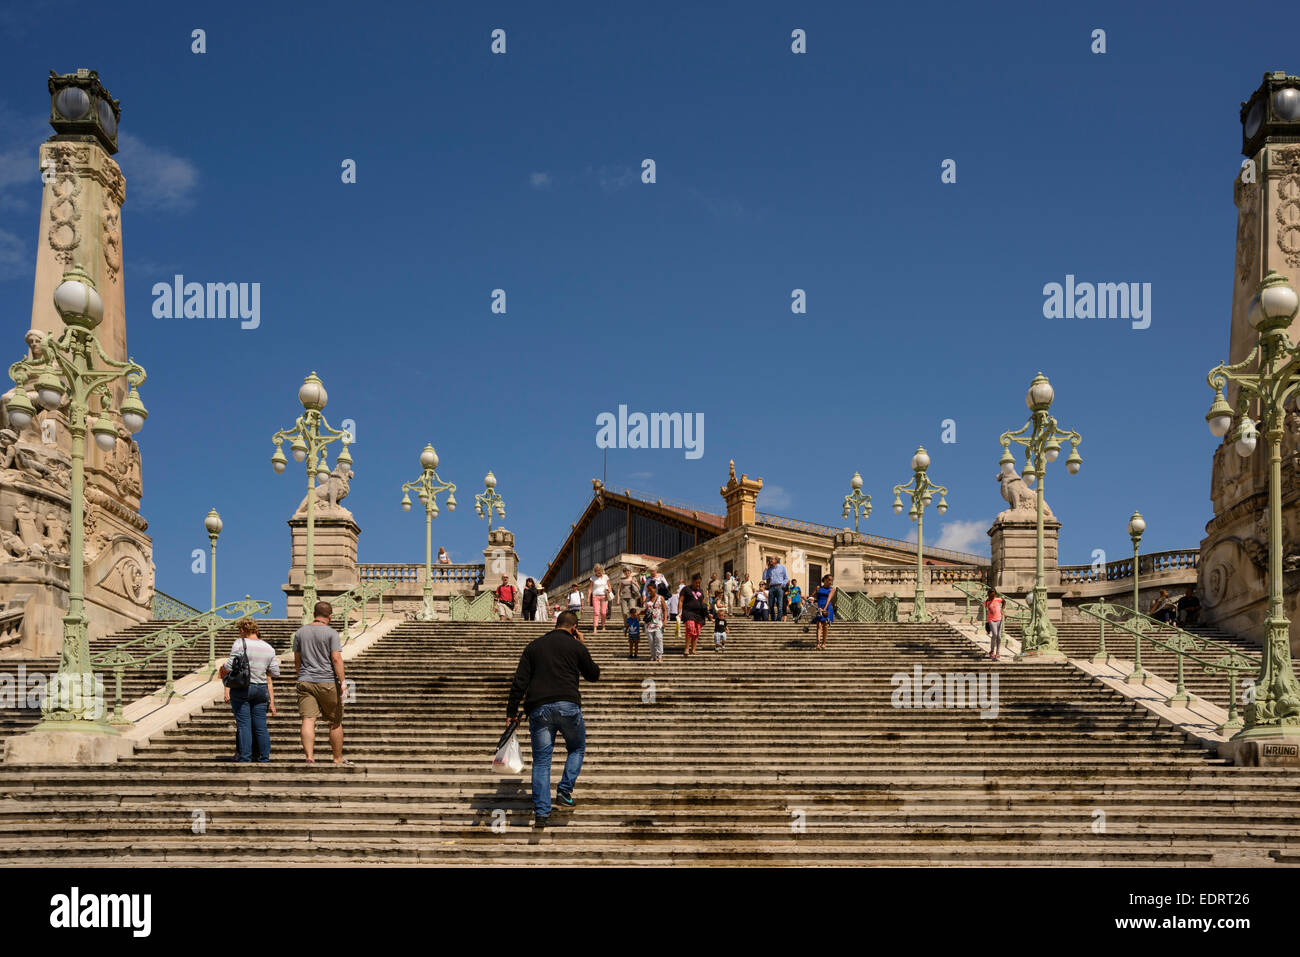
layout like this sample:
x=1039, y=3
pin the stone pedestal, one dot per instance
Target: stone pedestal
x=847, y=561
x=1014, y=539
x=63, y=747
x=336, y=556
x=500, y=558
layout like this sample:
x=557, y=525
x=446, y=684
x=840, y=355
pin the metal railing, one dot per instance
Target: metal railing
x=659, y=500
x=356, y=599
x=859, y=606
x=1013, y=609
x=477, y=609
x=168, y=640
x=1180, y=559
x=798, y=525
x=167, y=608
x=1230, y=661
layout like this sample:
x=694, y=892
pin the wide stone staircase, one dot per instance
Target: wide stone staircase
x=770, y=753
x=1080, y=639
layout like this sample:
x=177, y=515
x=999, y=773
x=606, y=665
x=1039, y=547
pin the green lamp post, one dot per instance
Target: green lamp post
x=309, y=440
x=1136, y=526
x=1041, y=439
x=212, y=523
x=427, y=487
x=488, y=499
x=1275, y=712
x=74, y=367
x=856, y=502
x=921, y=491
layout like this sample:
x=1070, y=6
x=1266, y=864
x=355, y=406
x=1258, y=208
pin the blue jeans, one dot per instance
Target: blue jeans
x=543, y=721
x=776, y=598
x=249, y=705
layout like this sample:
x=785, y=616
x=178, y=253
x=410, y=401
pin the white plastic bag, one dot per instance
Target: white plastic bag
x=509, y=759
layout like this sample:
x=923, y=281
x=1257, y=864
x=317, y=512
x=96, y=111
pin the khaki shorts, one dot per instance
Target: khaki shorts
x=319, y=698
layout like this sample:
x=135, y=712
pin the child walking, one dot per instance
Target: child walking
x=633, y=626
x=720, y=628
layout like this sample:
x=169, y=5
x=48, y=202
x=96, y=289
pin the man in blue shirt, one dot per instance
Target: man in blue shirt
x=776, y=579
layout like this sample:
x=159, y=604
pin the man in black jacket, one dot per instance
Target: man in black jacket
x=546, y=681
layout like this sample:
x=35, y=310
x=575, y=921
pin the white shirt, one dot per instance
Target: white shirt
x=600, y=585
x=575, y=599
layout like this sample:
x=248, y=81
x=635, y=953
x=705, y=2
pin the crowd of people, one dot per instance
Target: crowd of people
x=643, y=605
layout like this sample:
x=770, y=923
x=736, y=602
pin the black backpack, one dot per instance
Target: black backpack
x=240, y=674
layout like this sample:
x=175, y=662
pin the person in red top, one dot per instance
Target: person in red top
x=993, y=605
x=505, y=600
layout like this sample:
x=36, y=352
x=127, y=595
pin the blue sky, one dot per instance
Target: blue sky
x=775, y=171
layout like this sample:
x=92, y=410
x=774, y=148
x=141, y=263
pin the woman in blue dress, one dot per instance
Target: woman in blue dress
x=823, y=601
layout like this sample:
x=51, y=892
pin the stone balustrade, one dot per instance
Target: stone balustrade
x=1154, y=563
x=933, y=574
x=449, y=581
x=469, y=575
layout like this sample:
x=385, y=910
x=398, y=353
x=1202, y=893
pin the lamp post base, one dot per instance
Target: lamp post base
x=918, y=608
x=1039, y=639
x=426, y=612
x=1264, y=747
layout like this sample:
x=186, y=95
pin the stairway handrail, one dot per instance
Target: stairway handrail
x=1182, y=643
x=1019, y=610
x=169, y=639
x=357, y=599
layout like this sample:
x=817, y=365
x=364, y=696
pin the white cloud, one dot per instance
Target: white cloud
x=156, y=179
x=964, y=536
x=774, y=496
x=540, y=180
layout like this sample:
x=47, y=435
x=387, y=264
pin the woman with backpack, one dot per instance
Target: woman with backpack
x=248, y=673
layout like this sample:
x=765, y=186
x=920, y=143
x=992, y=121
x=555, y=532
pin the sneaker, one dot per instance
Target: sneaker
x=565, y=798
x=539, y=822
